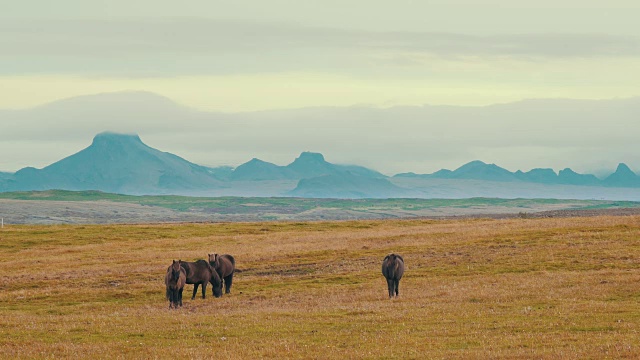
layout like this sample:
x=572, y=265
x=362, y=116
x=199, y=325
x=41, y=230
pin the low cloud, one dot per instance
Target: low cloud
x=582, y=134
x=191, y=46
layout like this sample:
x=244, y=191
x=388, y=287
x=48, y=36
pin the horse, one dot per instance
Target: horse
x=225, y=266
x=392, y=269
x=200, y=273
x=175, y=280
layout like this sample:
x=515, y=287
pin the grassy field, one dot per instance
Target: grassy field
x=94, y=207
x=559, y=288
x=232, y=204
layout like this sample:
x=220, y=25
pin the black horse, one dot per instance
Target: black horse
x=392, y=269
x=200, y=273
x=175, y=280
x=225, y=266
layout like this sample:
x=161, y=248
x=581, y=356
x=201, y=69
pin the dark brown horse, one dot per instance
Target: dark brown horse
x=392, y=269
x=225, y=266
x=200, y=273
x=175, y=280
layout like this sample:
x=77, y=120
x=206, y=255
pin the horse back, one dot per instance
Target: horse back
x=226, y=265
x=393, y=266
x=197, y=271
x=231, y=260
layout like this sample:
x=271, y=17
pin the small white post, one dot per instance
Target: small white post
x=2, y=226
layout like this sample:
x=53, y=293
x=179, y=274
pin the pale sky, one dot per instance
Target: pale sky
x=243, y=56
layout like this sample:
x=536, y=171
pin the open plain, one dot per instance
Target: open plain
x=520, y=288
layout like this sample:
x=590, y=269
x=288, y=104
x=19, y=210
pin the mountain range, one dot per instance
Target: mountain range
x=478, y=170
x=122, y=163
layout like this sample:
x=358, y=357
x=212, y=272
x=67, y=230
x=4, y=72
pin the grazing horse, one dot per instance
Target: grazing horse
x=175, y=280
x=225, y=266
x=392, y=269
x=200, y=273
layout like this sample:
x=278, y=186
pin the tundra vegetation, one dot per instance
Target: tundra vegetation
x=94, y=207
x=545, y=288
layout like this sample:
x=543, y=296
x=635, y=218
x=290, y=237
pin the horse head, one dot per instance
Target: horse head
x=175, y=269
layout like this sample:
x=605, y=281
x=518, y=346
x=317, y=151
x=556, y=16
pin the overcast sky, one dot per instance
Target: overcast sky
x=244, y=56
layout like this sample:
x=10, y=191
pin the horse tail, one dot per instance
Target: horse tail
x=232, y=259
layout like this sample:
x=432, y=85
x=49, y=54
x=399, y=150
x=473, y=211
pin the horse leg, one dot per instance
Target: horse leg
x=204, y=289
x=397, y=286
x=227, y=284
x=195, y=290
x=172, y=298
x=390, y=287
x=180, y=296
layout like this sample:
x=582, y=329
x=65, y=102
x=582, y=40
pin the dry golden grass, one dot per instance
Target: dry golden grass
x=501, y=289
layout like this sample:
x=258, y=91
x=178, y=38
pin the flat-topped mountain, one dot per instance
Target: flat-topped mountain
x=117, y=163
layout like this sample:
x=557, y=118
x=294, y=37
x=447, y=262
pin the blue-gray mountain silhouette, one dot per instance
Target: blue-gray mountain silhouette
x=570, y=177
x=544, y=176
x=478, y=170
x=117, y=163
x=474, y=170
x=622, y=177
x=124, y=164
x=256, y=169
x=305, y=166
x=348, y=186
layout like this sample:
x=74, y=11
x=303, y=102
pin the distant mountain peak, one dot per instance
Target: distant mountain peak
x=566, y=171
x=623, y=168
x=119, y=163
x=310, y=164
x=623, y=177
x=479, y=170
x=477, y=162
x=256, y=169
x=308, y=156
x=111, y=137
